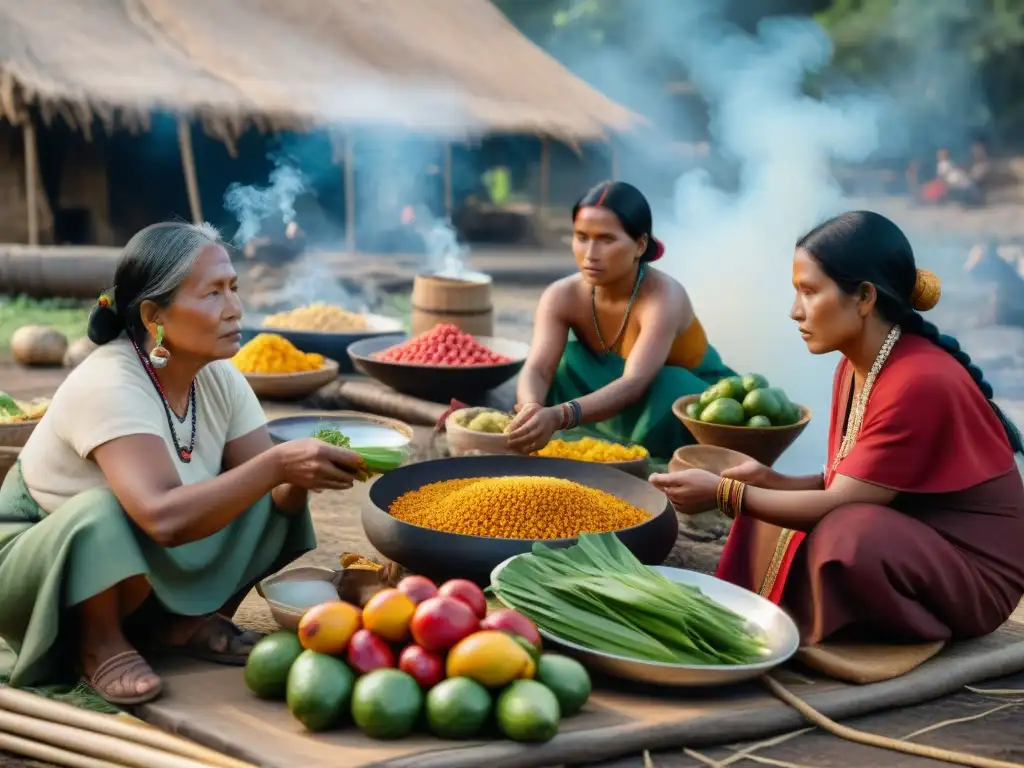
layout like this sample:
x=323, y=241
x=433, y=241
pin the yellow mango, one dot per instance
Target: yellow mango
x=494, y=659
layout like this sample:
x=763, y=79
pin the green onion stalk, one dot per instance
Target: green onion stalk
x=376, y=459
x=596, y=594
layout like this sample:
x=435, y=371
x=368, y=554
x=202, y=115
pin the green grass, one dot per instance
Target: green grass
x=69, y=316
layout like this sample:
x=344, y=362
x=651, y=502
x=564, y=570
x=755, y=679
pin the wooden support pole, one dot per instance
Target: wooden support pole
x=449, y=202
x=545, y=178
x=188, y=165
x=31, y=179
x=350, y=194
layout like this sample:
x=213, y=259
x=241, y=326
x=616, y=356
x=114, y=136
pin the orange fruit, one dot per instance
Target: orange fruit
x=327, y=628
x=388, y=613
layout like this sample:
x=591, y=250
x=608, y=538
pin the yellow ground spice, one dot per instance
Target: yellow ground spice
x=271, y=353
x=317, y=317
x=515, y=508
x=591, y=449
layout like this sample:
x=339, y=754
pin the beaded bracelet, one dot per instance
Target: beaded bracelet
x=729, y=496
x=576, y=414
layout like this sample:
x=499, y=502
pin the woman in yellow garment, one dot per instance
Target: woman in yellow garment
x=616, y=344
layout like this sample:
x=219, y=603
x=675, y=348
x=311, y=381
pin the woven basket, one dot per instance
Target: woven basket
x=765, y=444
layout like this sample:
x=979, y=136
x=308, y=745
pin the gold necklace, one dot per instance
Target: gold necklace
x=860, y=403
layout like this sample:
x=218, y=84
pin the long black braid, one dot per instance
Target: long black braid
x=914, y=322
x=865, y=247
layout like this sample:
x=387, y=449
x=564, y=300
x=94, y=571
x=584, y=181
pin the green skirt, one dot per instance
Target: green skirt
x=51, y=563
x=648, y=422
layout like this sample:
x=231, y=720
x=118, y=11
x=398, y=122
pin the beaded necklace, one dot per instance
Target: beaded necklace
x=860, y=403
x=607, y=348
x=184, y=454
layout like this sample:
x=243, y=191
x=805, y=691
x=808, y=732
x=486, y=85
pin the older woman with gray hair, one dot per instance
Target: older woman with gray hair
x=150, y=498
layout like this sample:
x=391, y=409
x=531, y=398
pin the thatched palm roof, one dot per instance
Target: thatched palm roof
x=445, y=66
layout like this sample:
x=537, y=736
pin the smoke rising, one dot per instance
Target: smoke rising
x=732, y=247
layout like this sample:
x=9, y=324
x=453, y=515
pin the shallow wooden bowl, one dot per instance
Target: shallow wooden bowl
x=469, y=442
x=766, y=444
x=15, y=435
x=292, y=386
x=8, y=458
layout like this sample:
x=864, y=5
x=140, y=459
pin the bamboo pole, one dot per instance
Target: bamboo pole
x=449, y=202
x=51, y=755
x=31, y=179
x=545, y=178
x=91, y=744
x=127, y=729
x=188, y=165
x=350, y=195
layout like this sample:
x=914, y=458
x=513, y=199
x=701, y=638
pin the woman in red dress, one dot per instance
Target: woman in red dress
x=914, y=531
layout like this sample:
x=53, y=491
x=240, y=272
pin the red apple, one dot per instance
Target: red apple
x=418, y=588
x=467, y=592
x=513, y=622
x=367, y=652
x=440, y=622
x=427, y=668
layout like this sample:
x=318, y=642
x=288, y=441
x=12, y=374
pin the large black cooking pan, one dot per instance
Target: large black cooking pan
x=440, y=555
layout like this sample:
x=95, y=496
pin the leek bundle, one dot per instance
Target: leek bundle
x=376, y=459
x=598, y=595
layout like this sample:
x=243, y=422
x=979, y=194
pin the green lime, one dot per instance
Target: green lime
x=319, y=690
x=457, y=708
x=763, y=402
x=528, y=711
x=693, y=410
x=759, y=421
x=724, y=410
x=386, y=703
x=731, y=386
x=709, y=395
x=567, y=679
x=266, y=669
x=754, y=381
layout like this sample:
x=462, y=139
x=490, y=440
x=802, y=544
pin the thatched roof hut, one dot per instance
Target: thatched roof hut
x=455, y=66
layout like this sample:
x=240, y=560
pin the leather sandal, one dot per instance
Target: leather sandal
x=119, y=674
x=202, y=644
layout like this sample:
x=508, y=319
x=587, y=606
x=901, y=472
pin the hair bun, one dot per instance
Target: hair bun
x=927, y=290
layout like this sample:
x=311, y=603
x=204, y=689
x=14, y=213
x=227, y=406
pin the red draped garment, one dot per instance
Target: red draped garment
x=945, y=559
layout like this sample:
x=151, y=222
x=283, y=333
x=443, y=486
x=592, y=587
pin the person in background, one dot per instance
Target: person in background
x=617, y=343
x=914, y=530
x=149, y=499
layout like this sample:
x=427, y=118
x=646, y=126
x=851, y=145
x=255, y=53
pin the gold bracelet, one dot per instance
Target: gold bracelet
x=737, y=506
x=722, y=495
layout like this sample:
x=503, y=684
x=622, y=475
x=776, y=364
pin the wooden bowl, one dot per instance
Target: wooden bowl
x=706, y=457
x=469, y=442
x=440, y=556
x=284, y=591
x=16, y=434
x=292, y=386
x=637, y=467
x=438, y=383
x=8, y=458
x=765, y=444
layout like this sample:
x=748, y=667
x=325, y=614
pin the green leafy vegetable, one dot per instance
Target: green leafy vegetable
x=8, y=407
x=598, y=595
x=376, y=459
